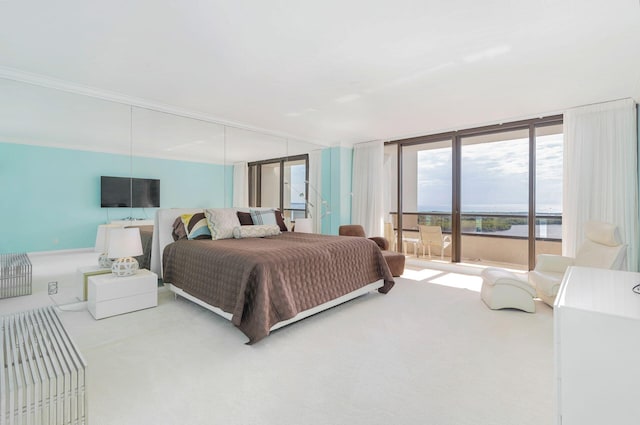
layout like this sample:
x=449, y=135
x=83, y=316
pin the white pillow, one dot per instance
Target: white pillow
x=256, y=231
x=221, y=222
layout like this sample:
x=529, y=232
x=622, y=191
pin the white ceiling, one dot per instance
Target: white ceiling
x=336, y=72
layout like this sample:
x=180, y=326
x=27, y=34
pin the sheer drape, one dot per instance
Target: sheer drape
x=240, y=185
x=367, y=187
x=601, y=173
x=315, y=190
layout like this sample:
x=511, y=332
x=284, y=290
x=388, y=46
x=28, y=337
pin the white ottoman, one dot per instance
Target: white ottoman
x=503, y=289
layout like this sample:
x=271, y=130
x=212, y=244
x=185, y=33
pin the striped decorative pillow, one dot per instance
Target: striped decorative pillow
x=263, y=216
x=196, y=226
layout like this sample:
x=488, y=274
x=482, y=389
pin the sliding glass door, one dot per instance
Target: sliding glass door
x=495, y=193
x=494, y=197
x=549, y=147
x=427, y=199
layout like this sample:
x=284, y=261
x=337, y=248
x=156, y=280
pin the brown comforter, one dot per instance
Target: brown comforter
x=263, y=281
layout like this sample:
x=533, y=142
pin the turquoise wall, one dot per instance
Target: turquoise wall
x=50, y=197
x=337, y=167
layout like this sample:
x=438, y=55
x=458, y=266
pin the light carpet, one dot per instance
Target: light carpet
x=429, y=352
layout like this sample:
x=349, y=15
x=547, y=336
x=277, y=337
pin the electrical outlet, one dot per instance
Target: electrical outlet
x=53, y=288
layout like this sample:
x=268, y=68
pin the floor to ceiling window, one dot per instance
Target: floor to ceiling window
x=280, y=183
x=426, y=196
x=494, y=197
x=495, y=192
x=549, y=142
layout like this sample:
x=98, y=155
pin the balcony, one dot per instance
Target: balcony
x=488, y=239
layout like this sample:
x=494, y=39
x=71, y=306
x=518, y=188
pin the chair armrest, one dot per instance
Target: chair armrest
x=553, y=263
x=446, y=238
x=382, y=242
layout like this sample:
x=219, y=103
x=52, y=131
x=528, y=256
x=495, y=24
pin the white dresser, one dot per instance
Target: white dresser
x=597, y=347
x=110, y=295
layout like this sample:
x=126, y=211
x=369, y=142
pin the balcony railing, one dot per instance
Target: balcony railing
x=491, y=237
x=505, y=225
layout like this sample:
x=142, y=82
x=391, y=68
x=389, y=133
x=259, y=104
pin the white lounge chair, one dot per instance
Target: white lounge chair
x=602, y=249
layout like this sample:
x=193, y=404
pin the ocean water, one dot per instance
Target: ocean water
x=548, y=231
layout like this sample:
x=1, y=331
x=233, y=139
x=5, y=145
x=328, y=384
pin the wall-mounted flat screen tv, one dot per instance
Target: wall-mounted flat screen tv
x=125, y=192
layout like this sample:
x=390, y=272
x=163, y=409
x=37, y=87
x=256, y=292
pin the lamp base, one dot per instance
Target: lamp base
x=104, y=261
x=126, y=266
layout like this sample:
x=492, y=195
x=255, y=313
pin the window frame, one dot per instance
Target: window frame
x=256, y=192
x=456, y=141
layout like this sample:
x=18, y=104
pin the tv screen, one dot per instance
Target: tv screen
x=146, y=193
x=119, y=192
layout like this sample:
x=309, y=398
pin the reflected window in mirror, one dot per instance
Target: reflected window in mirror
x=281, y=183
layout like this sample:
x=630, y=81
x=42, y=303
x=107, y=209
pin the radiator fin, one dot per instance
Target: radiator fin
x=42, y=374
x=15, y=275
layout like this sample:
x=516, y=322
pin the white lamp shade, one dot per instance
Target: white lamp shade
x=303, y=225
x=102, y=237
x=124, y=243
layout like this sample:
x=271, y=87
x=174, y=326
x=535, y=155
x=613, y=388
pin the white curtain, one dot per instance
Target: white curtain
x=240, y=185
x=367, y=187
x=601, y=173
x=315, y=191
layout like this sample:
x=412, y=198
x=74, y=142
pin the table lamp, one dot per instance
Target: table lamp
x=303, y=225
x=102, y=244
x=124, y=244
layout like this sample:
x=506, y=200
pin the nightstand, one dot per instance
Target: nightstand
x=82, y=278
x=110, y=295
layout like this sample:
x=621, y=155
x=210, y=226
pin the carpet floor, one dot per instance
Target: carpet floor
x=429, y=352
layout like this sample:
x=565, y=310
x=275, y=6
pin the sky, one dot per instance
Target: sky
x=494, y=176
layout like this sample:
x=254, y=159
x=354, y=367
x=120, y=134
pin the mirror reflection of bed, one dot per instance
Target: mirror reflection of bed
x=262, y=283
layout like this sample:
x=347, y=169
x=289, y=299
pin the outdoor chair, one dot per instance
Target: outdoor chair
x=432, y=236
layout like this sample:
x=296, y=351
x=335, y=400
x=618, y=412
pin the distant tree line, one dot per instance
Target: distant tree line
x=481, y=223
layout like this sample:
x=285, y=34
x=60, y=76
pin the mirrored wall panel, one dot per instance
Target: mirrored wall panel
x=56, y=147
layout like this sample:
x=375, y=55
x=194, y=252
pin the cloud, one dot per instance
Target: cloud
x=494, y=175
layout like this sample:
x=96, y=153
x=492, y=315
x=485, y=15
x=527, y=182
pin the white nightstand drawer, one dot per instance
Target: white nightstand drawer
x=110, y=295
x=117, y=306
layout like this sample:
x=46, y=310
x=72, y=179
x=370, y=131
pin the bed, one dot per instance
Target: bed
x=261, y=284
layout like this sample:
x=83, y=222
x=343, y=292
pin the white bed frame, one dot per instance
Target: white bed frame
x=302, y=315
x=162, y=237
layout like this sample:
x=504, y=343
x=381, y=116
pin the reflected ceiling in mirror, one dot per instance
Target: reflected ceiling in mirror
x=246, y=145
x=37, y=115
x=42, y=116
x=163, y=135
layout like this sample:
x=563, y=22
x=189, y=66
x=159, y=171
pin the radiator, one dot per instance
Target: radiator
x=15, y=275
x=42, y=374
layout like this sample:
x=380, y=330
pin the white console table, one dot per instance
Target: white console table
x=132, y=222
x=597, y=347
